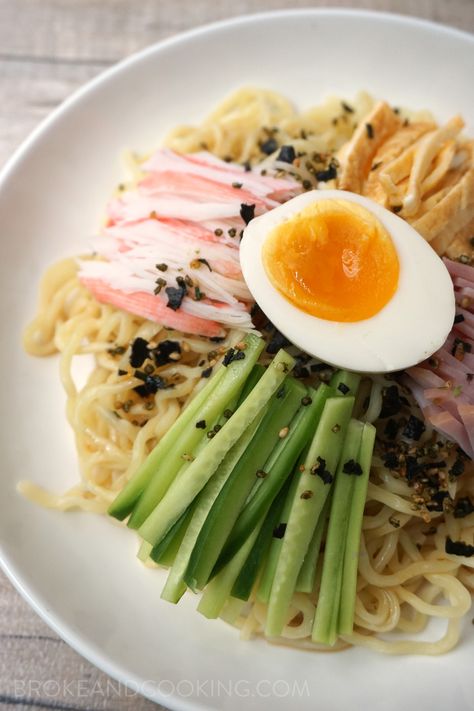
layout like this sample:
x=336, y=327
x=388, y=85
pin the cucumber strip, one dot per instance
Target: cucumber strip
x=124, y=502
x=306, y=576
x=144, y=551
x=351, y=555
x=219, y=589
x=266, y=580
x=345, y=382
x=225, y=510
x=175, y=583
x=278, y=468
x=327, y=609
x=231, y=610
x=255, y=375
x=184, y=489
x=165, y=552
x=251, y=568
x=322, y=458
x=168, y=467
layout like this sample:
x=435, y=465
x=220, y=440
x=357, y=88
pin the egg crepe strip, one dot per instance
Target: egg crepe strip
x=406, y=571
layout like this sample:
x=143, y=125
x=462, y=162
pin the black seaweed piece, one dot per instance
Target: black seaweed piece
x=151, y=384
x=161, y=354
x=279, y=531
x=370, y=130
x=352, y=467
x=175, y=296
x=287, y=154
x=277, y=341
x=320, y=470
x=206, y=373
x=459, y=318
x=458, y=467
x=330, y=173
x=139, y=352
x=121, y=372
x=342, y=387
x=414, y=428
x=269, y=146
x=436, y=503
x=458, y=548
x=463, y=507
x=413, y=469
x=228, y=357
x=281, y=392
x=247, y=212
x=391, y=402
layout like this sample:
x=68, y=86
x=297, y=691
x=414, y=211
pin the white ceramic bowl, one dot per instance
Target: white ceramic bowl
x=79, y=571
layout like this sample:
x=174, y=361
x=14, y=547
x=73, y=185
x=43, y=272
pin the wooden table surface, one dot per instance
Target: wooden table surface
x=48, y=48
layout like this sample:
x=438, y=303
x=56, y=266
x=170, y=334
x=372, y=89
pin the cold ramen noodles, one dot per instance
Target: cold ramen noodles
x=314, y=505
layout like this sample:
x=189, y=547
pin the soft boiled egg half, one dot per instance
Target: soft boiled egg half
x=348, y=281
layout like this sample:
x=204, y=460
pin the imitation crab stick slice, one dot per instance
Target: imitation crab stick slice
x=153, y=308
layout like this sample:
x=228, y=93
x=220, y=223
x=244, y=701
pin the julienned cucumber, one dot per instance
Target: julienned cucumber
x=313, y=488
x=266, y=579
x=175, y=585
x=226, y=508
x=354, y=528
x=219, y=589
x=171, y=463
x=277, y=470
x=327, y=609
x=307, y=574
x=251, y=568
x=123, y=504
x=184, y=490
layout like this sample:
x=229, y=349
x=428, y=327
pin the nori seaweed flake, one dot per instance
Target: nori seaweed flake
x=414, y=428
x=390, y=460
x=342, y=387
x=279, y=531
x=463, y=507
x=269, y=146
x=287, y=154
x=459, y=318
x=207, y=372
x=458, y=468
x=175, y=296
x=277, y=341
x=391, y=402
x=139, y=352
x=247, y=212
x=458, y=548
x=370, y=130
x=322, y=176
x=320, y=470
x=151, y=384
x=352, y=467
x=228, y=357
x=161, y=354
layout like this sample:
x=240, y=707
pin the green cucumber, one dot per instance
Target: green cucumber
x=184, y=489
x=175, y=583
x=124, y=502
x=277, y=469
x=170, y=468
x=354, y=528
x=327, y=609
x=226, y=508
x=313, y=488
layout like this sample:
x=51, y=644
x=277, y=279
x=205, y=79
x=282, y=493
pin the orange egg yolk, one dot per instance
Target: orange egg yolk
x=334, y=260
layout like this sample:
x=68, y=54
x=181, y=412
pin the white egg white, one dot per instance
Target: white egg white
x=410, y=328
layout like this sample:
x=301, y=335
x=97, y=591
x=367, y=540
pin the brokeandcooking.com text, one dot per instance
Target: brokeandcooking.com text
x=185, y=688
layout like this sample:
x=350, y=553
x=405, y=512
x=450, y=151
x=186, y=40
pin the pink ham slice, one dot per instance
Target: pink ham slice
x=443, y=386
